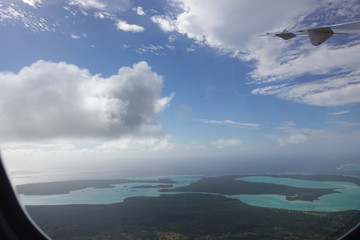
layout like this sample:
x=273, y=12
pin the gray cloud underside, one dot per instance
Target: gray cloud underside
x=60, y=100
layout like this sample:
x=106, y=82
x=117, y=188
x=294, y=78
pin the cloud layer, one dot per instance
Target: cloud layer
x=233, y=27
x=60, y=100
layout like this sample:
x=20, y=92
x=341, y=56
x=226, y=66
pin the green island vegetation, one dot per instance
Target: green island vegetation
x=192, y=214
x=64, y=187
x=231, y=185
x=187, y=216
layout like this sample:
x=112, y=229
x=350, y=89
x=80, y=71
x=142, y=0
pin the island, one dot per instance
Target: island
x=200, y=210
x=64, y=187
x=188, y=216
x=232, y=185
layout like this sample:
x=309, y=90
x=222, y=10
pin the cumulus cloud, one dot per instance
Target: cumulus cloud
x=123, y=25
x=139, y=11
x=230, y=123
x=223, y=143
x=60, y=100
x=104, y=5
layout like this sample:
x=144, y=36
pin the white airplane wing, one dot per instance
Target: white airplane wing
x=319, y=35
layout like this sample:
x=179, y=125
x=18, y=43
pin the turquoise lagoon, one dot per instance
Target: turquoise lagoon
x=347, y=198
x=117, y=193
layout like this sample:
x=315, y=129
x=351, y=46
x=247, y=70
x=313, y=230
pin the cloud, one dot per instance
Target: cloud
x=123, y=25
x=274, y=60
x=120, y=24
x=166, y=24
x=292, y=139
x=230, y=123
x=13, y=14
x=139, y=11
x=325, y=59
x=59, y=100
x=125, y=144
x=230, y=24
x=291, y=135
x=338, y=113
x=77, y=36
x=154, y=49
x=221, y=143
x=104, y=5
x=33, y=3
x=136, y=144
x=105, y=15
x=334, y=91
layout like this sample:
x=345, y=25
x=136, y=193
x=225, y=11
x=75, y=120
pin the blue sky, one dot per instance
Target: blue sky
x=173, y=82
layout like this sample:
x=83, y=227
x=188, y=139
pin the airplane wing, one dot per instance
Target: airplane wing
x=319, y=35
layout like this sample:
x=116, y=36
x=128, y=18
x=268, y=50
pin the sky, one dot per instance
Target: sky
x=176, y=86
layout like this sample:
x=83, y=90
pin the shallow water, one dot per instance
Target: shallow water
x=347, y=198
x=104, y=195
x=298, y=182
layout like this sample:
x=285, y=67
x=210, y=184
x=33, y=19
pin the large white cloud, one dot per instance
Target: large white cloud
x=60, y=100
x=230, y=24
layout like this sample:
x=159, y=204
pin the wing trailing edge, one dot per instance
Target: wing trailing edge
x=319, y=35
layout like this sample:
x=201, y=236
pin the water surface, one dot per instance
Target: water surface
x=347, y=198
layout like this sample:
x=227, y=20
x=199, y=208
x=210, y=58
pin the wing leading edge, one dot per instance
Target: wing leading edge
x=320, y=34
